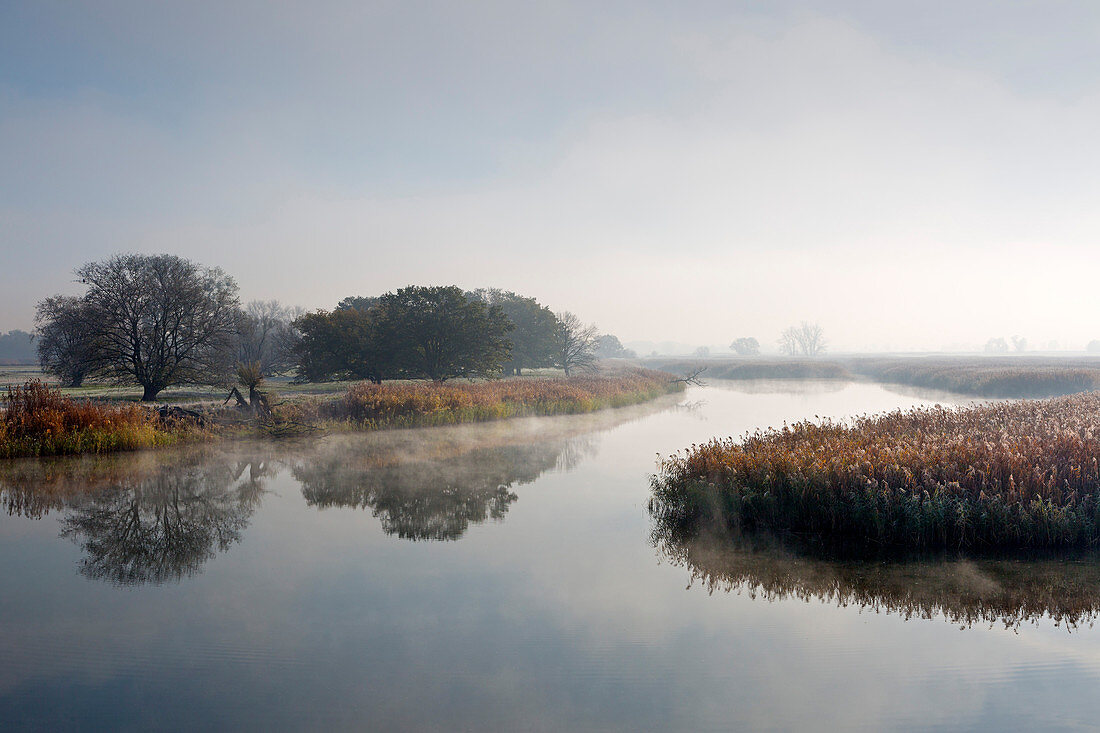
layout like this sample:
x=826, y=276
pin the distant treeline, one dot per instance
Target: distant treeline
x=17, y=347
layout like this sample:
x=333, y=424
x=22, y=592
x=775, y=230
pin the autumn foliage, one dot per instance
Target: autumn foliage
x=38, y=421
x=427, y=403
x=1013, y=474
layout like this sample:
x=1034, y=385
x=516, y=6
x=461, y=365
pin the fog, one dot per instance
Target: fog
x=913, y=176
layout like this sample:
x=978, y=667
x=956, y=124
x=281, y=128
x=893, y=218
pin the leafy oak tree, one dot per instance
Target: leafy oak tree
x=534, y=342
x=343, y=344
x=438, y=333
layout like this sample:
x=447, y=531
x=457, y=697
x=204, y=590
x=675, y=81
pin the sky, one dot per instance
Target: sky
x=910, y=175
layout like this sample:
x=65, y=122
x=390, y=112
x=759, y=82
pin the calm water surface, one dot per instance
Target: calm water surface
x=502, y=577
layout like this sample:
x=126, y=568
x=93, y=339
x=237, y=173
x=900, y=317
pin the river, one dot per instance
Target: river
x=503, y=576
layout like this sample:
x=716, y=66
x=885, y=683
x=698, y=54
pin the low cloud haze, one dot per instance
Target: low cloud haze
x=910, y=175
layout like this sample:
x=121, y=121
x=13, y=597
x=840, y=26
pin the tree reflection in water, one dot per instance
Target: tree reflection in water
x=421, y=495
x=159, y=516
x=966, y=590
x=142, y=521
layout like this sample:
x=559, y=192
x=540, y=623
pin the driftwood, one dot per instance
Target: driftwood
x=691, y=378
x=241, y=401
x=257, y=403
x=174, y=413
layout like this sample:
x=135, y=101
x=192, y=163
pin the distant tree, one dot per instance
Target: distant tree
x=609, y=347
x=1019, y=344
x=805, y=339
x=160, y=321
x=534, y=329
x=265, y=340
x=66, y=346
x=439, y=333
x=17, y=347
x=702, y=352
x=343, y=344
x=996, y=346
x=746, y=346
x=1093, y=347
x=576, y=344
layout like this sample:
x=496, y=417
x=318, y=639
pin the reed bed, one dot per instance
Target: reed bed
x=38, y=421
x=416, y=404
x=1022, y=474
x=752, y=368
x=988, y=376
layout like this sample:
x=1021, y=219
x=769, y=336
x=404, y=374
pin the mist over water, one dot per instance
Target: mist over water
x=502, y=576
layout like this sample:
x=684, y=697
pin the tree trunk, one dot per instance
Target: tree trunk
x=150, y=394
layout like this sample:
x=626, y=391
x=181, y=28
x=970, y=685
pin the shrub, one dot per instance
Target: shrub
x=37, y=421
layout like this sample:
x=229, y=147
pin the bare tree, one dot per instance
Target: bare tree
x=576, y=344
x=805, y=339
x=65, y=344
x=265, y=340
x=159, y=320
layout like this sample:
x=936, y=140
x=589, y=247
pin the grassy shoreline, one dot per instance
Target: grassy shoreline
x=984, y=376
x=38, y=420
x=1012, y=475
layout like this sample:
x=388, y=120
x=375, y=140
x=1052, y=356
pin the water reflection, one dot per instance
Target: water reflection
x=964, y=590
x=798, y=387
x=142, y=521
x=418, y=497
x=158, y=517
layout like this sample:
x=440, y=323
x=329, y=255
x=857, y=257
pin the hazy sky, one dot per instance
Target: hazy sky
x=911, y=175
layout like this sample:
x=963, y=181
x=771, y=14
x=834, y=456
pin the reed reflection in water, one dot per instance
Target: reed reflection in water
x=965, y=590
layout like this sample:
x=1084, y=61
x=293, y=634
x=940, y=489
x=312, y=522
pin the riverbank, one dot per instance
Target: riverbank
x=39, y=421
x=984, y=376
x=1020, y=474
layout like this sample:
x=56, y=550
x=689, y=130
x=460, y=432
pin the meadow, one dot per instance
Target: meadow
x=1019, y=474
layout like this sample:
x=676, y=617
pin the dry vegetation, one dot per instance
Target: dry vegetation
x=1021, y=474
x=988, y=376
x=408, y=404
x=752, y=368
x=38, y=421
